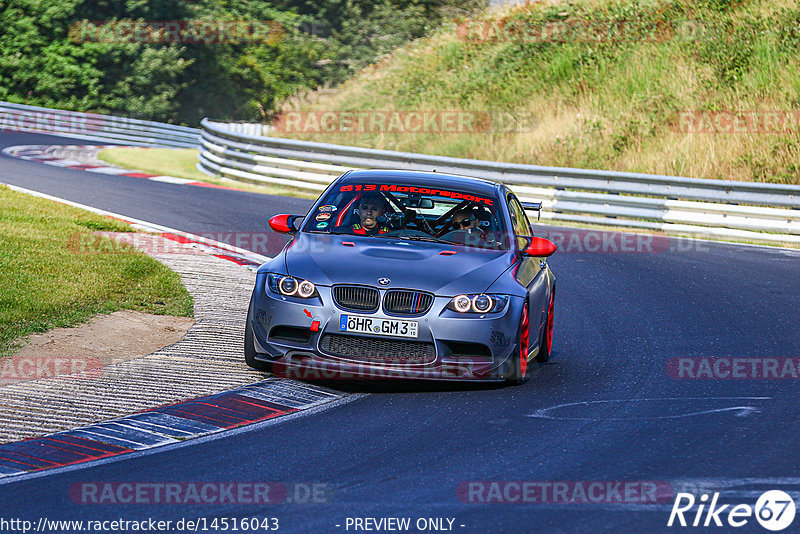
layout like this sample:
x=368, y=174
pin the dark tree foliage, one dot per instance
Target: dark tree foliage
x=53, y=54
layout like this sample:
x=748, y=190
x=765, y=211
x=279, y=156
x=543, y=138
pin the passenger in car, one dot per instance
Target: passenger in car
x=463, y=220
x=466, y=229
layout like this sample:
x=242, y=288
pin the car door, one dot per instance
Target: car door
x=530, y=273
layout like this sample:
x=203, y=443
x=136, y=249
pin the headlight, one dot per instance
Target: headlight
x=287, y=285
x=291, y=287
x=481, y=303
x=461, y=303
x=306, y=289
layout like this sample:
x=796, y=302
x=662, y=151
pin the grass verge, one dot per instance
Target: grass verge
x=45, y=282
x=700, y=88
x=180, y=162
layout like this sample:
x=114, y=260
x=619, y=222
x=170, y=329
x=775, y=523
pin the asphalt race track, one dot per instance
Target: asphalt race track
x=605, y=409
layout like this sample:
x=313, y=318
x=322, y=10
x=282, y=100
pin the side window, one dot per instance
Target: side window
x=519, y=221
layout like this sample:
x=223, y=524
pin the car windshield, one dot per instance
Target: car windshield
x=411, y=213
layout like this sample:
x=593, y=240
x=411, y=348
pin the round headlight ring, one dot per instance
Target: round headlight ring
x=482, y=303
x=305, y=289
x=462, y=303
x=288, y=285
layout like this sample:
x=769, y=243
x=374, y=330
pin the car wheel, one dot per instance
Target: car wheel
x=518, y=372
x=546, y=344
x=250, y=350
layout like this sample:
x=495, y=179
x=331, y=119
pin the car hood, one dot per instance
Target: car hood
x=324, y=260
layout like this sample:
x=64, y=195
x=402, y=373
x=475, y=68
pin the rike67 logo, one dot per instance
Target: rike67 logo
x=774, y=510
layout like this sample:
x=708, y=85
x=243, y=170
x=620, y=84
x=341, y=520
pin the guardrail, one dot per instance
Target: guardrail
x=94, y=127
x=715, y=208
x=690, y=206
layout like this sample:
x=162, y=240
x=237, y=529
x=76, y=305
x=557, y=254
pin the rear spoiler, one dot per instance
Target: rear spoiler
x=534, y=206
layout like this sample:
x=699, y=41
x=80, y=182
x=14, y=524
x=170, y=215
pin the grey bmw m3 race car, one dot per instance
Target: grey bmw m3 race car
x=405, y=275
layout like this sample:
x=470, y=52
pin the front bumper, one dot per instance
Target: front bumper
x=290, y=332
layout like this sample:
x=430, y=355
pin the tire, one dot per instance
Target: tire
x=546, y=343
x=518, y=373
x=250, y=349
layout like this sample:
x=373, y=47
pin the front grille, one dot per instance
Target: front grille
x=358, y=298
x=374, y=349
x=407, y=302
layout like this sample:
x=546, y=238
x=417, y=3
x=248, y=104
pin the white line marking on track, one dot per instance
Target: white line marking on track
x=171, y=180
x=738, y=411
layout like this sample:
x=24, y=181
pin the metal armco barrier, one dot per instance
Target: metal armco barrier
x=94, y=127
x=691, y=206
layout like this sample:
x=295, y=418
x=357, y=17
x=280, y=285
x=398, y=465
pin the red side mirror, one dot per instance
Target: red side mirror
x=282, y=224
x=540, y=247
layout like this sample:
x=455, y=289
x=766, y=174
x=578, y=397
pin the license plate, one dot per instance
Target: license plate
x=377, y=326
